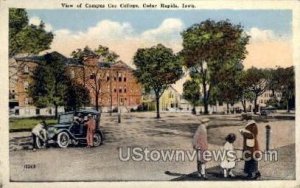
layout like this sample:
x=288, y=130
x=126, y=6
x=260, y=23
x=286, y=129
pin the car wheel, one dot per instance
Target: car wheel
x=63, y=139
x=97, y=139
x=39, y=142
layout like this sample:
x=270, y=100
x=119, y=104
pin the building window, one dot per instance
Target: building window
x=115, y=90
x=120, y=90
x=26, y=69
x=72, y=74
x=26, y=101
x=17, y=112
x=92, y=76
x=26, y=85
x=107, y=78
x=37, y=111
x=124, y=79
x=125, y=90
x=12, y=96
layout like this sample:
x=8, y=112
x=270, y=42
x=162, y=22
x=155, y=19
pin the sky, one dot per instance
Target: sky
x=124, y=31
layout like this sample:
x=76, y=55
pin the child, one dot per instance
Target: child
x=229, y=161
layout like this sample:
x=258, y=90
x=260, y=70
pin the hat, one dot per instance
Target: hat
x=230, y=137
x=89, y=115
x=204, y=120
x=250, y=122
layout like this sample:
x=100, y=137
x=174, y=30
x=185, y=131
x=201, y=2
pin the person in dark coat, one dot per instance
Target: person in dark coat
x=200, y=144
x=250, y=149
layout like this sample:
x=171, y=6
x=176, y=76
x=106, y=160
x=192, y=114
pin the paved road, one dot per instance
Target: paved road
x=173, y=131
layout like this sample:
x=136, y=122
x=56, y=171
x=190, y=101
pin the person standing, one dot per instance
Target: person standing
x=251, y=149
x=228, y=162
x=39, y=132
x=91, y=127
x=200, y=144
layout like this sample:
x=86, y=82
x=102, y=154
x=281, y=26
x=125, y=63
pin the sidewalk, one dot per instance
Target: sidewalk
x=285, y=167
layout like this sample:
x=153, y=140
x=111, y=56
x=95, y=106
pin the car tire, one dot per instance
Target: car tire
x=63, y=140
x=97, y=140
x=39, y=142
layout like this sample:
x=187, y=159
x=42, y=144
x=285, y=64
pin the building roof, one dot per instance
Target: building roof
x=73, y=61
x=117, y=65
x=43, y=58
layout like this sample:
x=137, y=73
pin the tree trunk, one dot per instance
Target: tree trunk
x=227, y=105
x=157, y=107
x=244, y=105
x=255, y=105
x=287, y=105
x=194, y=110
x=205, y=98
x=56, y=111
x=96, y=101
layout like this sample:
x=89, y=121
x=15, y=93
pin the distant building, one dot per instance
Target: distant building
x=171, y=100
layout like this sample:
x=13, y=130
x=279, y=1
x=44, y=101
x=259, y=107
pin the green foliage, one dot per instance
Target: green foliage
x=191, y=92
x=49, y=82
x=157, y=68
x=213, y=42
x=24, y=38
x=228, y=87
x=282, y=80
x=28, y=123
x=256, y=81
x=210, y=50
x=102, y=51
x=76, y=96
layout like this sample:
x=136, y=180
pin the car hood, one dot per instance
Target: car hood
x=61, y=125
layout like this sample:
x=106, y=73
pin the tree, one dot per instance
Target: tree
x=76, y=95
x=244, y=93
x=25, y=38
x=157, y=68
x=256, y=81
x=208, y=46
x=49, y=82
x=282, y=80
x=94, y=75
x=191, y=93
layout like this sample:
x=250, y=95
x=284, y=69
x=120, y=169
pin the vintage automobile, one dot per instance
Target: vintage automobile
x=68, y=131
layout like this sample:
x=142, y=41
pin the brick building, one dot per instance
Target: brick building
x=113, y=82
x=20, y=77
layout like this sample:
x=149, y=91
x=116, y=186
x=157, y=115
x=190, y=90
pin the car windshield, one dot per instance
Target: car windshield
x=66, y=118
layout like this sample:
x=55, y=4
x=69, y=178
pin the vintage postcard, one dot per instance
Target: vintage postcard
x=149, y=93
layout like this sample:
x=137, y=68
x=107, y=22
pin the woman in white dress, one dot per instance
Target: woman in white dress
x=229, y=160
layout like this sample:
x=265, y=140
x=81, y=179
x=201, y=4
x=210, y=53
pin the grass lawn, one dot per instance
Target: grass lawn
x=28, y=123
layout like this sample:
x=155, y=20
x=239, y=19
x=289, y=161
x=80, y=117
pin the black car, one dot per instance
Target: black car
x=69, y=131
